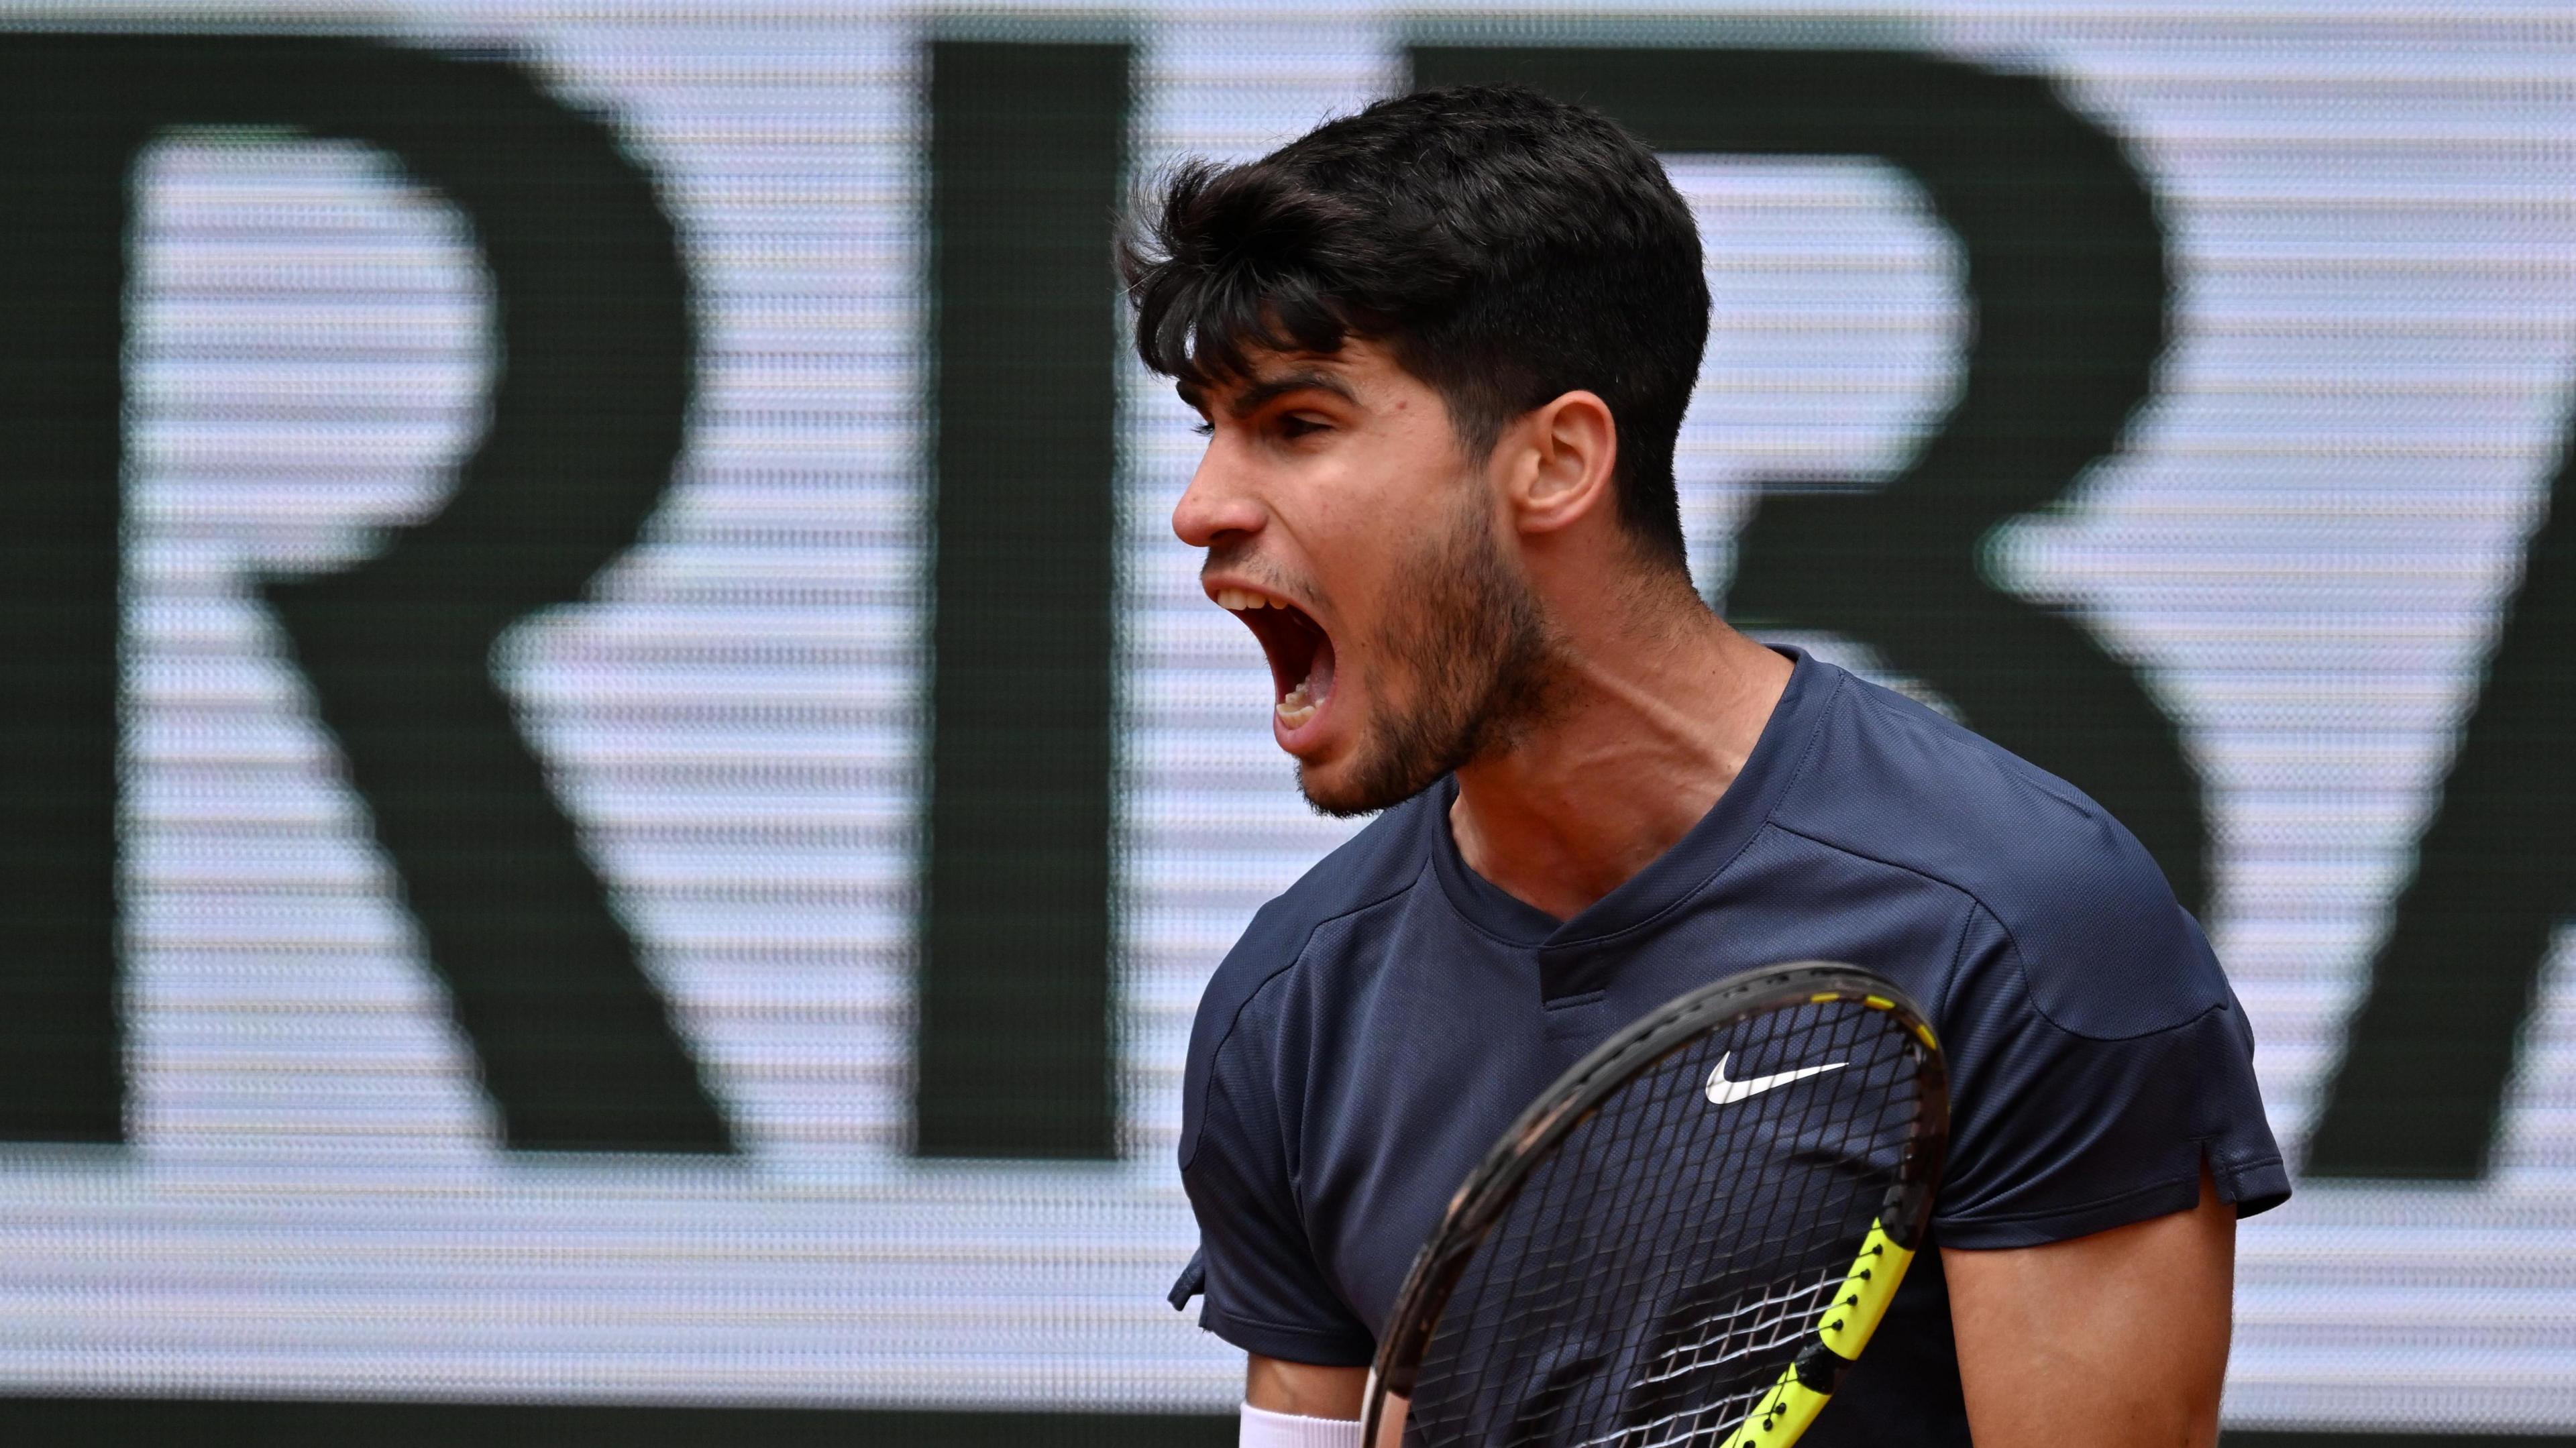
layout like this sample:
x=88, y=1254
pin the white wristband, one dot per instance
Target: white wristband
x=1265, y=1429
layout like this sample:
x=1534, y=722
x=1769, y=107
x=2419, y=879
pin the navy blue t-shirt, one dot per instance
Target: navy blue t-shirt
x=1379, y=1025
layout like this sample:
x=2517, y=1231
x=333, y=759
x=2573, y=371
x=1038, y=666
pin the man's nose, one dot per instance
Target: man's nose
x=1215, y=504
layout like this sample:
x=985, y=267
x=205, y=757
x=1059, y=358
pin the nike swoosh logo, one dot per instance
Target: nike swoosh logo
x=1722, y=1092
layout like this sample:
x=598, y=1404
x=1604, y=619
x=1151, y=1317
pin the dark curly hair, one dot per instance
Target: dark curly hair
x=1505, y=247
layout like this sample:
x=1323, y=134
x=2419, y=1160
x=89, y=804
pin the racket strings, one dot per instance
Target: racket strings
x=1657, y=1271
x=1807, y=1220
x=1785, y=1313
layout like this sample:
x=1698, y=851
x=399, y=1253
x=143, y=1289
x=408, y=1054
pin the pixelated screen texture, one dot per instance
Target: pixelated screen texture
x=2302, y=543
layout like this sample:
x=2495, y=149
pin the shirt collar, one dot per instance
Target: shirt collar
x=1569, y=950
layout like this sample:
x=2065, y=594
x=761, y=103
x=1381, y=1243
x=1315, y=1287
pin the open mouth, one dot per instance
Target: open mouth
x=1300, y=652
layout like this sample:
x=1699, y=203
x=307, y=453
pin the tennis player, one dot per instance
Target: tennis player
x=1442, y=349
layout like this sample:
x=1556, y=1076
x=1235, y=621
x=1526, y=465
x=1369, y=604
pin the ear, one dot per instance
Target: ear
x=1562, y=456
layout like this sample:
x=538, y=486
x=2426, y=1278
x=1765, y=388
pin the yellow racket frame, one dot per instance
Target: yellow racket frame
x=1844, y=1327
x=1807, y=1384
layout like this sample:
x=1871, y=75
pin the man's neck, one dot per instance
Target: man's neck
x=1650, y=726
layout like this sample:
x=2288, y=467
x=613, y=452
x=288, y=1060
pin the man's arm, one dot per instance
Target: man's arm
x=1303, y=1388
x=2117, y=1339
x=1318, y=1392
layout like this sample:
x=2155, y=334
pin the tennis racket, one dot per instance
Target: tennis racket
x=1689, y=1237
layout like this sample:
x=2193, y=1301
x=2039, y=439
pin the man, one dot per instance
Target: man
x=1442, y=349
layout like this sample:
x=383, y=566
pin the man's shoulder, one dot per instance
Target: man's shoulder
x=2105, y=946
x=1377, y=864
x=1380, y=862
x=1373, y=867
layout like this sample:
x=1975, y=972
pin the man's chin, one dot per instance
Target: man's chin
x=1347, y=788
x=1326, y=799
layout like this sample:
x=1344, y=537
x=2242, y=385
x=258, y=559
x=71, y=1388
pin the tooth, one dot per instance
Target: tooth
x=1296, y=708
x=1229, y=598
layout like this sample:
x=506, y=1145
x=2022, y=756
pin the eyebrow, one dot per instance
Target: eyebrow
x=1251, y=399
x=1270, y=389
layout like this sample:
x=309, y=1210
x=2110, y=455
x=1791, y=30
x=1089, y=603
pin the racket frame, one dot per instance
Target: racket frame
x=1491, y=1188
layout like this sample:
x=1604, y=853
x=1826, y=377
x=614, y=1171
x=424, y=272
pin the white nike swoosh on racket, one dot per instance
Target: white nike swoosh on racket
x=1722, y=1092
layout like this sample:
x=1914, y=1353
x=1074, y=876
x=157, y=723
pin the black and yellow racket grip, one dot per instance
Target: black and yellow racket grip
x=1842, y=1330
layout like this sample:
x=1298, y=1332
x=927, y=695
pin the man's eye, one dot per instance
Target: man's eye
x=1295, y=426
x=1204, y=428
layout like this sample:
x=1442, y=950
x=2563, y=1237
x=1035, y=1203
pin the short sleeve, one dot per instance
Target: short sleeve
x=2089, y=1089
x=1265, y=1293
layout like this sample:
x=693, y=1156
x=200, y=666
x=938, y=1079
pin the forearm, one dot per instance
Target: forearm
x=1305, y=1397
x=1303, y=1389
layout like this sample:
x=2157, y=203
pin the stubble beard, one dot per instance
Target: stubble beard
x=1476, y=643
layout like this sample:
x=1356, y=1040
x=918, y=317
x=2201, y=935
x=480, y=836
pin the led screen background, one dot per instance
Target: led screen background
x=2302, y=545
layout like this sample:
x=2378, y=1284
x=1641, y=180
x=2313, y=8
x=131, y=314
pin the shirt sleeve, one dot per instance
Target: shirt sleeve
x=1264, y=1291
x=2090, y=1086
